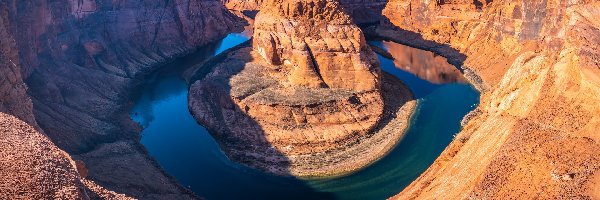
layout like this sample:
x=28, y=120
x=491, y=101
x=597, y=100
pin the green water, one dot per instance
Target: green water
x=187, y=151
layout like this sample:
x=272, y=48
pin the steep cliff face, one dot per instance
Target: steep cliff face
x=306, y=98
x=32, y=167
x=81, y=61
x=82, y=58
x=538, y=65
x=13, y=91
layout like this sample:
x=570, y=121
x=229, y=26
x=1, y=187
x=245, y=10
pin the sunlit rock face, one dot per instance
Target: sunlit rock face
x=304, y=98
x=320, y=43
x=534, y=135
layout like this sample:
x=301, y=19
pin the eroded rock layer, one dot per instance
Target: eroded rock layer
x=319, y=41
x=305, y=99
x=534, y=134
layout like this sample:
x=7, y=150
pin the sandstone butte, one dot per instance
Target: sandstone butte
x=307, y=98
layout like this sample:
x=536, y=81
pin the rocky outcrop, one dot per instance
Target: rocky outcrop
x=319, y=41
x=306, y=98
x=537, y=65
x=32, y=167
x=82, y=60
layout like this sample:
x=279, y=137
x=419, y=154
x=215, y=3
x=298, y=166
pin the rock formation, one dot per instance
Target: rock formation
x=13, y=91
x=537, y=63
x=325, y=48
x=82, y=60
x=305, y=99
x=32, y=167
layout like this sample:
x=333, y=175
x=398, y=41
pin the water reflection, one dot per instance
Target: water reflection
x=424, y=64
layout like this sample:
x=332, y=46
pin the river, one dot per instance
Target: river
x=187, y=151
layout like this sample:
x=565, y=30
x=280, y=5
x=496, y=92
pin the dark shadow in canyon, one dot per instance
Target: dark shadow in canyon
x=363, y=13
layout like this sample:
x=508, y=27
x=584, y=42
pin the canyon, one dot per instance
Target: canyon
x=69, y=69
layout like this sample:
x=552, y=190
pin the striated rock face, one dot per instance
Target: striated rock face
x=32, y=167
x=538, y=65
x=321, y=43
x=306, y=98
x=82, y=60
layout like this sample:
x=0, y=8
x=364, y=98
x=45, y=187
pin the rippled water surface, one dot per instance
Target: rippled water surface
x=187, y=152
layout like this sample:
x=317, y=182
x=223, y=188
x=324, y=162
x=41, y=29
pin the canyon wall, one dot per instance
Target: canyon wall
x=81, y=59
x=71, y=67
x=537, y=63
x=361, y=11
x=13, y=91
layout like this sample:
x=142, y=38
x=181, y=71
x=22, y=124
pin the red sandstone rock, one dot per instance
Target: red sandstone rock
x=320, y=43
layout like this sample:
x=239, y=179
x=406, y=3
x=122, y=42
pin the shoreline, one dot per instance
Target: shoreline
x=353, y=154
x=376, y=145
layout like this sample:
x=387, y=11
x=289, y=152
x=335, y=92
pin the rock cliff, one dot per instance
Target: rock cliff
x=32, y=167
x=306, y=98
x=534, y=135
x=71, y=67
x=13, y=91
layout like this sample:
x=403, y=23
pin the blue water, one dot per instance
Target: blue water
x=187, y=151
